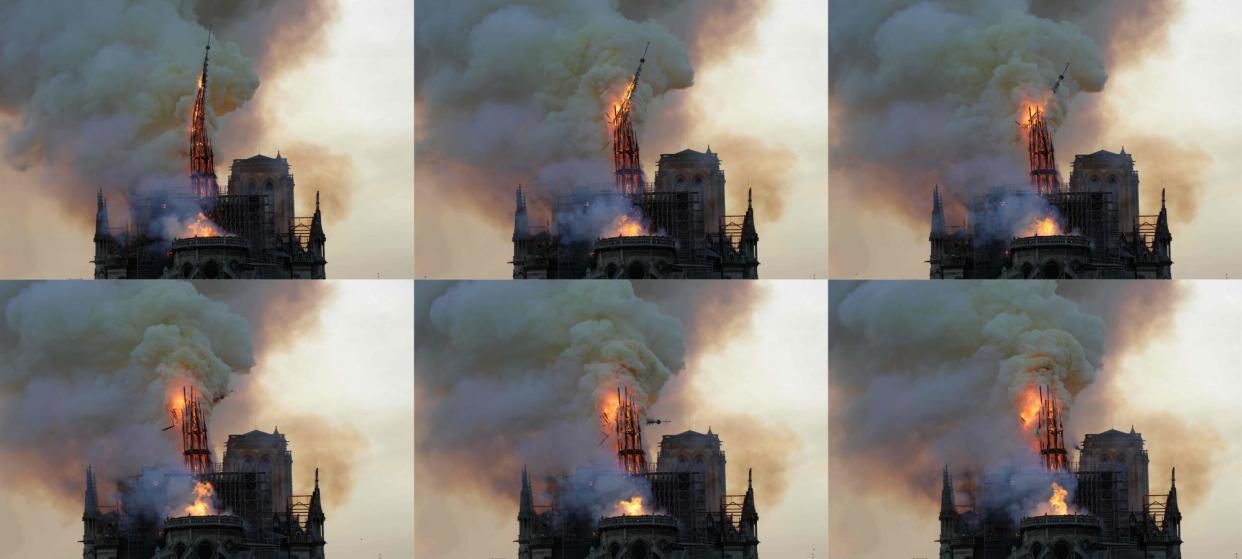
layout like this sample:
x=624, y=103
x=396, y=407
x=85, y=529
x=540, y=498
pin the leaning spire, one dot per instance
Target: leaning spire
x=202, y=160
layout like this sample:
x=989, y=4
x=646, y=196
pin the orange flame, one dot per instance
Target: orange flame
x=632, y=507
x=626, y=225
x=1028, y=407
x=202, y=226
x=1043, y=227
x=1057, y=503
x=203, y=491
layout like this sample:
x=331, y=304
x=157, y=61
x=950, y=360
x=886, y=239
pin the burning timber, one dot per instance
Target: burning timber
x=1090, y=228
x=243, y=507
x=676, y=508
x=675, y=227
x=248, y=229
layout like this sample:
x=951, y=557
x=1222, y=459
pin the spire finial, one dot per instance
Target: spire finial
x=1174, y=480
x=1162, y=198
x=316, y=479
x=316, y=200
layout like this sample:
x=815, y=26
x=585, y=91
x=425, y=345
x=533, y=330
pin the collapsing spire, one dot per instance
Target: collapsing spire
x=1051, y=434
x=196, y=453
x=630, y=452
x=202, y=160
x=1044, y=175
x=629, y=169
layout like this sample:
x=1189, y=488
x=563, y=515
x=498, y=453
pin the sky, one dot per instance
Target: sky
x=772, y=368
x=765, y=90
x=1177, y=92
x=352, y=97
x=346, y=374
x=1179, y=389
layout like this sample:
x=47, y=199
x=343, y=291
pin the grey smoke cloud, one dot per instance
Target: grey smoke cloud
x=88, y=371
x=928, y=374
x=514, y=92
x=100, y=93
x=926, y=92
x=514, y=373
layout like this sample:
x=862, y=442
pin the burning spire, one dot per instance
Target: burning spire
x=629, y=169
x=1051, y=434
x=195, y=451
x=1044, y=175
x=630, y=452
x=202, y=160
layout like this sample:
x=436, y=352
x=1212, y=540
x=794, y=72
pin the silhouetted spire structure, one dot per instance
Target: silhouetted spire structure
x=937, y=227
x=1173, y=514
x=750, y=517
x=92, y=495
x=521, y=223
x=202, y=160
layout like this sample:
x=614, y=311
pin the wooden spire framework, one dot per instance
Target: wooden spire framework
x=202, y=159
x=629, y=168
x=1051, y=434
x=195, y=452
x=630, y=454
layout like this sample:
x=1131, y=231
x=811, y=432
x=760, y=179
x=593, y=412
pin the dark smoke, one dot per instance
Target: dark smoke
x=101, y=92
x=509, y=374
x=516, y=93
x=86, y=371
x=924, y=375
x=928, y=92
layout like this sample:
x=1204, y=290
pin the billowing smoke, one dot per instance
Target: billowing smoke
x=100, y=94
x=604, y=215
x=518, y=92
x=925, y=92
x=925, y=375
x=89, y=371
x=513, y=374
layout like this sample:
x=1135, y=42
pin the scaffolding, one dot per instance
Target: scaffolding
x=1105, y=495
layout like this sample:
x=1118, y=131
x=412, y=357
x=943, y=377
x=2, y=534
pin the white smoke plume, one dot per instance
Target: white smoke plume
x=517, y=91
x=925, y=375
x=88, y=370
x=513, y=374
x=931, y=91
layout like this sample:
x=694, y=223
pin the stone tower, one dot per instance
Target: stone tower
x=1114, y=173
x=694, y=171
x=696, y=452
x=267, y=176
x=257, y=451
